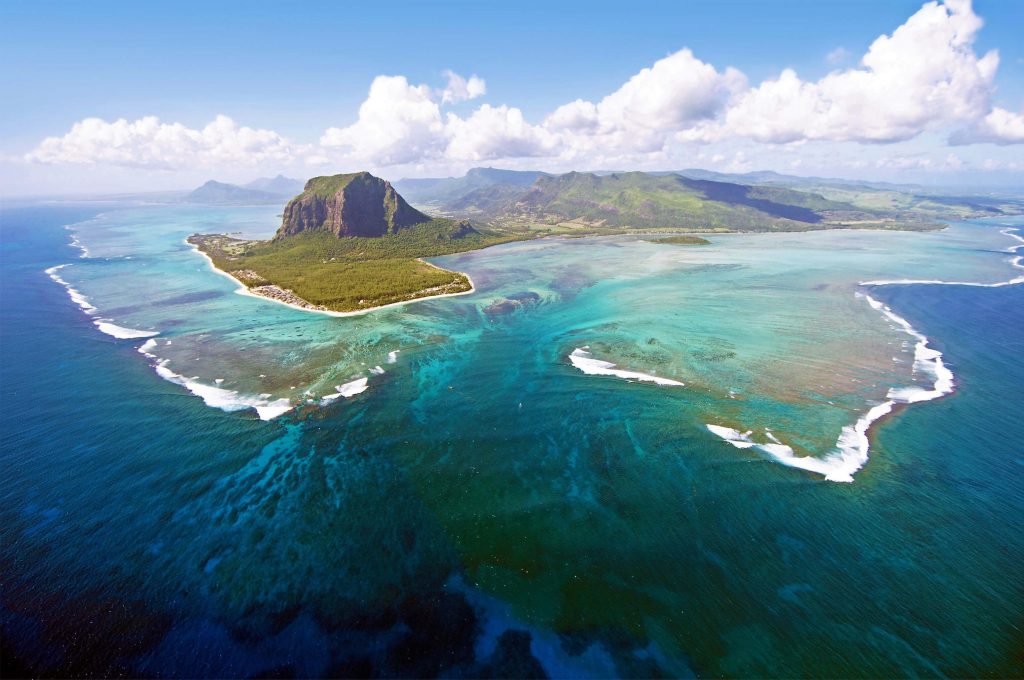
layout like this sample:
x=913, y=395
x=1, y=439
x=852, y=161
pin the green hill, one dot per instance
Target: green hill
x=636, y=200
x=601, y=202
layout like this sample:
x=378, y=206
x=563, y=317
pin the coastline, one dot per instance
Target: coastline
x=242, y=289
x=853, y=446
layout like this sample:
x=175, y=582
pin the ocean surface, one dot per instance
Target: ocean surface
x=614, y=458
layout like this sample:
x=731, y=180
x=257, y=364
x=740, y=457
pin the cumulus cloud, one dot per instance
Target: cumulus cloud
x=998, y=127
x=920, y=161
x=924, y=76
x=401, y=123
x=398, y=123
x=495, y=132
x=148, y=143
x=460, y=89
x=640, y=116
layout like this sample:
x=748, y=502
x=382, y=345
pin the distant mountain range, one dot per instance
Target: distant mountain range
x=262, y=190
x=688, y=199
x=281, y=185
x=476, y=185
x=516, y=200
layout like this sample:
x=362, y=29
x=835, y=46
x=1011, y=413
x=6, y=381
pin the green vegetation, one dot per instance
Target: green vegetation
x=327, y=186
x=639, y=200
x=349, y=274
x=350, y=242
x=693, y=200
x=683, y=240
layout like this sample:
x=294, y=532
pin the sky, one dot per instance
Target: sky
x=107, y=97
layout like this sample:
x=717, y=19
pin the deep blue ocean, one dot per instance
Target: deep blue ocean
x=439, y=526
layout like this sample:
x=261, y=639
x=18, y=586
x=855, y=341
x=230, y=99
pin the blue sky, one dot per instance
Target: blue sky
x=292, y=72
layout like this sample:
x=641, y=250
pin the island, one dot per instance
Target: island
x=682, y=240
x=348, y=244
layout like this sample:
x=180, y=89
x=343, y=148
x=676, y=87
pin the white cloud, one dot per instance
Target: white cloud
x=839, y=55
x=998, y=127
x=920, y=161
x=920, y=82
x=398, y=123
x=495, y=132
x=640, y=116
x=459, y=89
x=148, y=143
x=922, y=77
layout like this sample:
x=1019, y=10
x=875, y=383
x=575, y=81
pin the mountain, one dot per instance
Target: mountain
x=483, y=182
x=285, y=186
x=691, y=199
x=642, y=200
x=219, y=193
x=900, y=201
x=356, y=204
x=347, y=243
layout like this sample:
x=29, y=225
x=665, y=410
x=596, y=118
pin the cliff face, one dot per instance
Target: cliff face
x=357, y=204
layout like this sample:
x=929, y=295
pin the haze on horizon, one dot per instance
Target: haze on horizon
x=119, y=98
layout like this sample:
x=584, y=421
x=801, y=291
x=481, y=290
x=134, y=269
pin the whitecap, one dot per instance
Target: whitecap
x=226, y=400
x=583, y=360
x=74, y=294
x=123, y=333
x=146, y=346
x=393, y=356
x=853, y=445
x=1017, y=262
x=349, y=389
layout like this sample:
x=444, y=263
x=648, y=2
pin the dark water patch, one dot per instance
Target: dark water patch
x=193, y=297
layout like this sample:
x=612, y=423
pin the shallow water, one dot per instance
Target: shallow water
x=483, y=482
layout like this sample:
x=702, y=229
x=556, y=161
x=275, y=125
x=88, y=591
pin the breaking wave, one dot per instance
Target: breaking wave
x=584, y=361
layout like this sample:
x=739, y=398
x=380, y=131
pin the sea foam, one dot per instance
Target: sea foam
x=121, y=332
x=349, y=389
x=225, y=400
x=74, y=294
x=853, y=445
x=584, y=361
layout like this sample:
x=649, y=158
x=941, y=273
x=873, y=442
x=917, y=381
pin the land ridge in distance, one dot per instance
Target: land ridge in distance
x=351, y=242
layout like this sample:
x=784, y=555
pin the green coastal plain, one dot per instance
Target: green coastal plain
x=349, y=274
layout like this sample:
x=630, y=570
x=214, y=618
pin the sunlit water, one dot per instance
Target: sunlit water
x=487, y=480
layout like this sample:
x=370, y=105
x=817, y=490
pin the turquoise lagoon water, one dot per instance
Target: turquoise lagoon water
x=466, y=487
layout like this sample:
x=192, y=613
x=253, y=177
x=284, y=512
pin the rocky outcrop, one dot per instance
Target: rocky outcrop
x=356, y=204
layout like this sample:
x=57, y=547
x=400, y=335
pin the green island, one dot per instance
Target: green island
x=683, y=240
x=350, y=243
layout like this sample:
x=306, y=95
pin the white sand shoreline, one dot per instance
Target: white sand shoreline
x=242, y=289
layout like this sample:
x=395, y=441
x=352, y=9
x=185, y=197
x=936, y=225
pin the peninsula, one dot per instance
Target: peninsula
x=351, y=243
x=348, y=244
